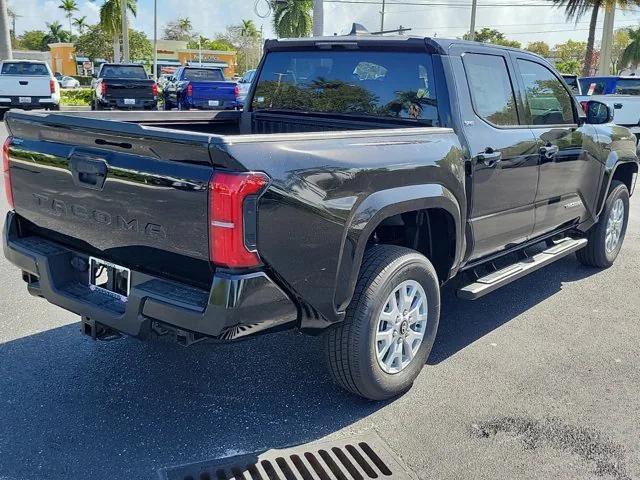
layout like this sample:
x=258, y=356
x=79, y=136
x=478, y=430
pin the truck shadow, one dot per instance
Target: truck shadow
x=73, y=408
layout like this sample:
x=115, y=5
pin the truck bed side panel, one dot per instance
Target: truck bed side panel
x=318, y=182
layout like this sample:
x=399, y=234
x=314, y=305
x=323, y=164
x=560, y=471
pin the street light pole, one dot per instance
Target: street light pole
x=125, y=30
x=5, y=36
x=472, y=28
x=155, y=39
x=382, y=17
x=318, y=18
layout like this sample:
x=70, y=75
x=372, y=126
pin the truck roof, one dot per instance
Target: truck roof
x=437, y=45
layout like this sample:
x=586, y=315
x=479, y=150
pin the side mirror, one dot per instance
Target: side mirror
x=597, y=112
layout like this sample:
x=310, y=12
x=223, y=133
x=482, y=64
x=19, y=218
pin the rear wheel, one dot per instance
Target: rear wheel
x=390, y=325
x=606, y=236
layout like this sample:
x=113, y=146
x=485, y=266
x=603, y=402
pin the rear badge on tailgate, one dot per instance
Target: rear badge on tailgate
x=109, y=278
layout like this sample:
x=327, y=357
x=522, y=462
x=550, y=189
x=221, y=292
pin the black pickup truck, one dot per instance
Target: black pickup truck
x=364, y=173
x=123, y=86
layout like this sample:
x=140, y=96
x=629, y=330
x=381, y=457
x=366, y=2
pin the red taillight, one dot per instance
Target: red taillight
x=52, y=86
x=6, y=172
x=189, y=90
x=236, y=91
x=232, y=218
x=103, y=89
x=154, y=89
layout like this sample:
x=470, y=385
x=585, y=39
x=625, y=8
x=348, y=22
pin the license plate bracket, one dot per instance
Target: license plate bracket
x=109, y=278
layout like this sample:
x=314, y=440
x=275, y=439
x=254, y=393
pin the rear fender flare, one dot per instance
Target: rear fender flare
x=614, y=161
x=372, y=211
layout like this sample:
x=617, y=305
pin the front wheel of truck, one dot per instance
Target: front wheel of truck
x=606, y=236
x=390, y=325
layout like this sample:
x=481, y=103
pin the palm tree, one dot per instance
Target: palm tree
x=185, y=25
x=292, y=18
x=55, y=34
x=576, y=9
x=631, y=54
x=248, y=29
x=110, y=21
x=69, y=6
x=81, y=24
x=5, y=37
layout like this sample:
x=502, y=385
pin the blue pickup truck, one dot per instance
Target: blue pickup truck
x=200, y=88
x=610, y=85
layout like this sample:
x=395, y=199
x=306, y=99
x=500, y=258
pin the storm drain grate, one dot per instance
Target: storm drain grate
x=360, y=458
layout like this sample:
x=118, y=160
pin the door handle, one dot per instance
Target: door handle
x=549, y=151
x=88, y=172
x=490, y=157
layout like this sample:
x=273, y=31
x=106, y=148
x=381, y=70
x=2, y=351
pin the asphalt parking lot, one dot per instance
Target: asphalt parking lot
x=538, y=380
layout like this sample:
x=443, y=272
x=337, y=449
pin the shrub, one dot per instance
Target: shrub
x=76, y=97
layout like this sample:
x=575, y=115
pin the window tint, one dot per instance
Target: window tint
x=203, y=75
x=628, y=86
x=572, y=83
x=22, y=68
x=123, y=71
x=491, y=89
x=548, y=101
x=377, y=84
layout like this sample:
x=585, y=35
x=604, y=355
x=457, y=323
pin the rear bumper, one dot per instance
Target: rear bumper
x=204, y=104
x=236, y=306
x=11, y=101
x=119, y=104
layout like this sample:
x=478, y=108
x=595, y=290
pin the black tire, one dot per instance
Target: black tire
x=595, y=253
x=350, y=345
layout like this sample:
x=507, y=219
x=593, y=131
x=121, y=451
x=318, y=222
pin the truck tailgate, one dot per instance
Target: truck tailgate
x=126, y=193
x=213, y=90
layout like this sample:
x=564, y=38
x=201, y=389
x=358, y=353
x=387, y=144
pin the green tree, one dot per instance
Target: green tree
x=68, y=6
x=55, y=34
x=96, y=43
x=541, y=48
x=620, y=41
x=631, y=53
x=491, y=35
x=248, y=29
x=33, y=40
x=110, y=21
x=570, y=50
x=140, y=47
x=292, y=18
x=569, y=67
x=81, y=24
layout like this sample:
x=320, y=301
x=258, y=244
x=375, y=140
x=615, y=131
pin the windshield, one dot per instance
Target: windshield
x=628, y=86
x=378, y=84
x=124, y=71
x=572, y=82
x=203, y=75
x=20, y=68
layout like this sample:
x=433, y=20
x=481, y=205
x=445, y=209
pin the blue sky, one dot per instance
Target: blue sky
x=525, y=22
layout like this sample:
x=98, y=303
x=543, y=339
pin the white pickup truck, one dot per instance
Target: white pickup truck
x=28, y=85
x=626, y=109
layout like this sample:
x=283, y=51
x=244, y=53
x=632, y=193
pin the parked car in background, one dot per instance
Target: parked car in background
x=27, y=84
x=573, y=83
x=69, y=82
x=244, y=84
x=610, y=85
x=123, y=86
x=200, y=88
x=621, y=94
x=163, y=79
x=356, y=182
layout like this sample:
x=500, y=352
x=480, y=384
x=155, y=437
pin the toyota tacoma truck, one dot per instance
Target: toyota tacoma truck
x=123, y=86
x=200, y=88
x=364, y=174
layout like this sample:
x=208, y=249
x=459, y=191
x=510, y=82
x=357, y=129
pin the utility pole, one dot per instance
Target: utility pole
x=318, y=18
x=472, y=28
x=5, y=36
x=155, y=39
x=382, y=16
x=607, y=41
x=125, y=30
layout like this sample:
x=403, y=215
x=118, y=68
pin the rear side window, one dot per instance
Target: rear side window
x=364, y=83
x=20, y=68
x=628, y=86
x=124, y=71
x=548, y=101
x=203, y=75
x=491, y=89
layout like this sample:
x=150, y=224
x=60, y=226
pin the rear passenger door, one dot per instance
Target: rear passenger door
x=503, y=166
x=569, y=168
